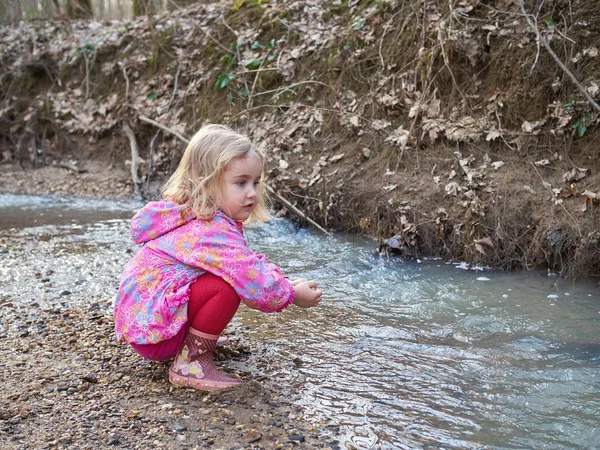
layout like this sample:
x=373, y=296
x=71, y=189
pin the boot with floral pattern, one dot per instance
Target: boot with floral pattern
x=194, y=367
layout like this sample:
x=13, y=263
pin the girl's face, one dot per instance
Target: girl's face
x=239, y=189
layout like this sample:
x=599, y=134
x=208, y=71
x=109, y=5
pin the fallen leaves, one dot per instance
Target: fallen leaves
x=575, y=174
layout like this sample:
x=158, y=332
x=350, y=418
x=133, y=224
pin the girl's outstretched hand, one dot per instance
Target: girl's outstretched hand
x=297, y=282
x=307, y=294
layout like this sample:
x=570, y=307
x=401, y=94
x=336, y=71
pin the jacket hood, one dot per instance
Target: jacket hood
x=156, y=219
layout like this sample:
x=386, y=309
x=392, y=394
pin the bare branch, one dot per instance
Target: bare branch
x=546, y=45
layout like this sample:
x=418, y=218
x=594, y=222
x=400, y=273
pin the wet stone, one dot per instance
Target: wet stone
x=180, y=428
x=62, y=388
x=90, y=378
x=253, y=436
x=297, y=438
x=114, y=439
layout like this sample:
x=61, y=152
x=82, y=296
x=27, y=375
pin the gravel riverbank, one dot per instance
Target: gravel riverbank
x=66, y=383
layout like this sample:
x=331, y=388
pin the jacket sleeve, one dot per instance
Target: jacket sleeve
x=222, y=250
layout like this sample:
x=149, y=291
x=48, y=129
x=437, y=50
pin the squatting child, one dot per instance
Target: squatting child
x=185, y=283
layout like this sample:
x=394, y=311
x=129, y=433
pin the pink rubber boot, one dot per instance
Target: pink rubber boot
x=194, y=367
x=223, y=340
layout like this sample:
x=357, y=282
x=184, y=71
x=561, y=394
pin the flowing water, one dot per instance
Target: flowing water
x=399, y=355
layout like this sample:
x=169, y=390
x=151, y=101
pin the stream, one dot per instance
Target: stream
x=399, y=354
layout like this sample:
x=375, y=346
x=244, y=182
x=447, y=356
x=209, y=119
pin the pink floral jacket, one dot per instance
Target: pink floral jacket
x=151, y=304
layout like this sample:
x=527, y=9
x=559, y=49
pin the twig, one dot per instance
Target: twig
x=126, y=82
x=174, y=87
x=546, y=45
x=87, y=75
x=285, y=88
x=561, y=205
x=386, y=27
x=162, y=127
x=135, y=156
x=447, y=65
x=201, y=29
x=249, y=102
x=267, y=186
x=296, y=210
x=70, y=167
x=150, y=158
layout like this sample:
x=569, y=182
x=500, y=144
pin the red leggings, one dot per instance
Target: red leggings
x=212, y=305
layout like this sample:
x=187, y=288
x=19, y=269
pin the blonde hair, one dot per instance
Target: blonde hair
x=197, y=180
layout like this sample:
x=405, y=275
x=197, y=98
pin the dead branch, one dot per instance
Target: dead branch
x=546, y=45
x=126, y=83
x=135, y=155
x=71, y=167
x=87, y=74
x=249, y=103
x=206, y=33
x=174, y=87
x=162, y=127
x=386, y=27
x=282, y=89
x=267, y=186
x=296, y=210
x=151, y=157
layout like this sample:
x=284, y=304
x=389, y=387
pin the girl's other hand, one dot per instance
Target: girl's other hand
x=307, y=294
x=297, y=282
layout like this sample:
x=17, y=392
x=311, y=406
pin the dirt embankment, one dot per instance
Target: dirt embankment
x=445, y=132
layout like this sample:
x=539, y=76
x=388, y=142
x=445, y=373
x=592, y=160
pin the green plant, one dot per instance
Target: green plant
x=223, y=80
x=581, y=124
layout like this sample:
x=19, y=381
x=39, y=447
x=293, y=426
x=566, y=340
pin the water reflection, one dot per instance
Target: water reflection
x=405, y=355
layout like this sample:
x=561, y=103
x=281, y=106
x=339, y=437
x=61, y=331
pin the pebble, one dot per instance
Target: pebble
x=179, y=427
x=114, y=439
x=253, y=436
x=90, y=378
x=297, y=438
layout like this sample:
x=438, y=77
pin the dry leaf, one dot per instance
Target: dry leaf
x=575, y=174
x=485, y=241
x=451, y=189
x=492, y=135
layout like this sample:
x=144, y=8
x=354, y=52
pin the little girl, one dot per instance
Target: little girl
x=184, y=285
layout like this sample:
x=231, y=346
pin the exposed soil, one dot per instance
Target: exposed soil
x=441, y=129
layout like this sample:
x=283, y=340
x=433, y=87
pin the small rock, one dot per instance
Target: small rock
x=114, y=439
x=297, y=438
x=63, y=293
x=253, y=436
x=90, y=378
x=180, y=428
x=62, y=388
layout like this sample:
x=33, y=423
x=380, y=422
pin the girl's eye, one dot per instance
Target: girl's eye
x=241, y=183
x=256, y=183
